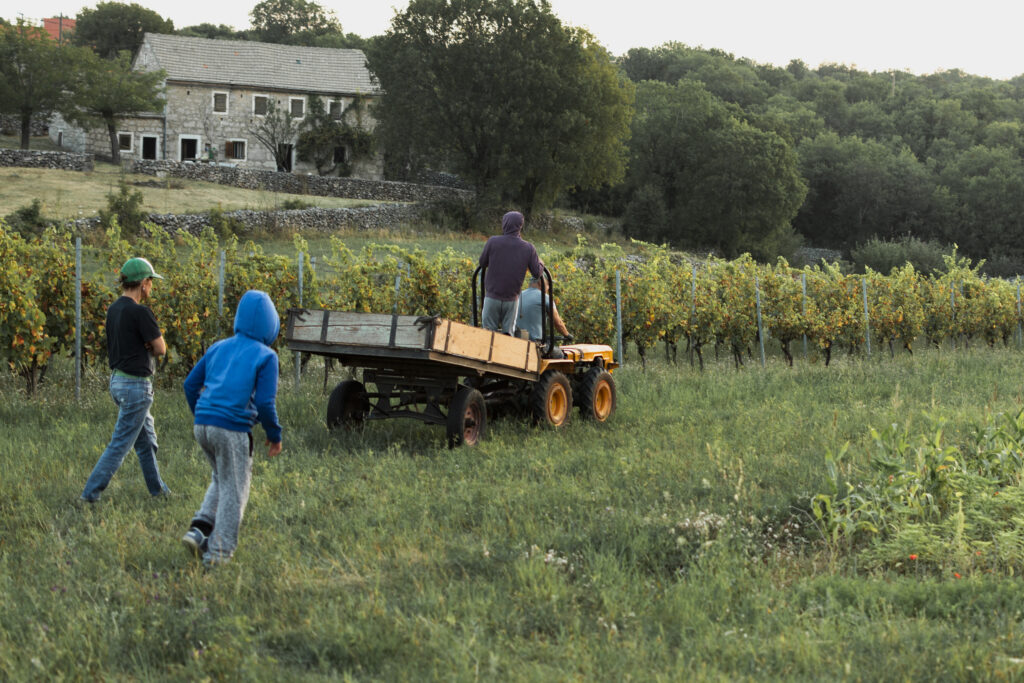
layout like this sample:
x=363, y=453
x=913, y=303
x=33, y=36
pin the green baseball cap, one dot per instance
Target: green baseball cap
x=138, y=269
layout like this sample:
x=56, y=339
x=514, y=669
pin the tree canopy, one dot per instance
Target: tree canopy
x=112, y=27
x=36, y=74
x=107, y=90
x=503, y=93
x=295, y=22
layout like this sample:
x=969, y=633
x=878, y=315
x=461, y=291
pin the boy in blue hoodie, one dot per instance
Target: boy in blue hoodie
x=231, y=388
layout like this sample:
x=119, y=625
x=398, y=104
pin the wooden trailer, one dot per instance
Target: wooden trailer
x=449, y=373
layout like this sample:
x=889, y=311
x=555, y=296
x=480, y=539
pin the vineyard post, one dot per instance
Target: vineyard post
x=963, y=337
x=867, y=320
x=952, y=305
x=693, y=305
x=78, y=318
x=1020, y=332
x=803, y=307
x=298, y=356
x=618, y=315
x=760, y=328
x=220, y=289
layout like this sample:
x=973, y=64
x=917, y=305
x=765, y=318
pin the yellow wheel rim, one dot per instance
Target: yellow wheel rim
x=558, y=405
x=603, y=401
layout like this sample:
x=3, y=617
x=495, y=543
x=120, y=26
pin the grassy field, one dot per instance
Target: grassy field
x=67, y=195
x=666, y=545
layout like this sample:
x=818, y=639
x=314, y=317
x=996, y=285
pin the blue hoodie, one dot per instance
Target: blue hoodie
x=234, y=385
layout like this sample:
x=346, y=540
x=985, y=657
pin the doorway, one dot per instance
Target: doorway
x=284, y=154
x=149, y=147
x=189, y=147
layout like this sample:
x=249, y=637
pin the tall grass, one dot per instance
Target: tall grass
x=666, y=545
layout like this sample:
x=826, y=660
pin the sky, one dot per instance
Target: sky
x=979, y=37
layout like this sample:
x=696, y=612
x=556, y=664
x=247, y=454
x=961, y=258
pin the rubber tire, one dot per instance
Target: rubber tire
x=467, y=418
x=347, y=405
x=597, y=398
x=551, y=399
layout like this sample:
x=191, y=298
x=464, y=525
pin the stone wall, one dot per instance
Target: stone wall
x=10, y=124
x=29, y=158
x=313, y=219
x=322, y=186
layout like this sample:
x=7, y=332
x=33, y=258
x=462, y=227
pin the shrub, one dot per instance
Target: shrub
x=28, y=220
x=294, y=204
x=883, y=255
x=126, y=206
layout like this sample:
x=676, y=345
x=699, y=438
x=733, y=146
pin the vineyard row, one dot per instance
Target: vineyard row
x=663, y=298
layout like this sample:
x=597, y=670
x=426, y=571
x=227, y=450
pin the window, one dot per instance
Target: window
x=259, y=105
x=124, y=142
x=234, y=149
x=297, y=106
x=339, y=154
x=220, y=103
x=336, y=109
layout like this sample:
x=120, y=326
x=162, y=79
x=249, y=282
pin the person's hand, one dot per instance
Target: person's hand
x=569, y=338
x=273, y=448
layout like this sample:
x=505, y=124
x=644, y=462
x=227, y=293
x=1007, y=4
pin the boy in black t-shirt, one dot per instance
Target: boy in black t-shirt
x=133, y=342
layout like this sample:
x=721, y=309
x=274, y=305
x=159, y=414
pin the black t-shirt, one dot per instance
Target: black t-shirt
x=130, y=326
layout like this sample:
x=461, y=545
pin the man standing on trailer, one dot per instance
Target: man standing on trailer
x=506, y=257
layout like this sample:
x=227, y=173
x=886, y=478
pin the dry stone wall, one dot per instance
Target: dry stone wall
x=313, y=219
x=30, y=158
x=322, y=186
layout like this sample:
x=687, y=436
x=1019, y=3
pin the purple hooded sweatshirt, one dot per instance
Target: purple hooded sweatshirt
x=506, y=258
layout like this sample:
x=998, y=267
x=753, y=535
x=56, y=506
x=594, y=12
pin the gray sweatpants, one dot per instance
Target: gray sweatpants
x=230, y=456
x=499, y=316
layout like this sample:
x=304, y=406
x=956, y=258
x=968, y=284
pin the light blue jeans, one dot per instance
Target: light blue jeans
x=134, y=428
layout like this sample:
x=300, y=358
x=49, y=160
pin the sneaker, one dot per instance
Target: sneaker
x=194, y=541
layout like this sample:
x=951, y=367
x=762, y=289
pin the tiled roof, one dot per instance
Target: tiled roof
x=261, y=65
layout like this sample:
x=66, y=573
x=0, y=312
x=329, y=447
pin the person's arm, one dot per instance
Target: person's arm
x=157, y=347
x=265, y=397
x=536, y=265
x=150, y=332
x=485, y=255
x=194, y=383
x=559, y=325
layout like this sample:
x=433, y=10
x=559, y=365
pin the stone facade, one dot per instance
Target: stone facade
x=28, y=158
x=321, y=186
x=211, y=92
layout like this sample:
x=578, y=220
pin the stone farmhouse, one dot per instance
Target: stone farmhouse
x=217, y=91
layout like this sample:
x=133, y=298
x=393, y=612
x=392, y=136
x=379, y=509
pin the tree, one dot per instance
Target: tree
x=35, y=74
x=324, y=135
x=700, y=177
x=213, y=31
x=504, y=94
x=293, y=22
x=115, y=26
x=276, y=131
x=107, y=90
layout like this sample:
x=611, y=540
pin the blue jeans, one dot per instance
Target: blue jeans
x=134, y=428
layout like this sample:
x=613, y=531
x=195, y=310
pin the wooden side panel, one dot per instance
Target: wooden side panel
x=306, y=326
x=358, y=329
x=487, y=346
x=471, y=342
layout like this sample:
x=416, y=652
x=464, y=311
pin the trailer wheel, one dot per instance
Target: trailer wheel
x=467, y=418
x=551, y=400
x=597, y=395
x=348, y=405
